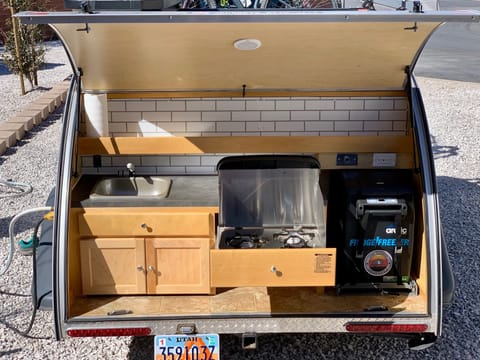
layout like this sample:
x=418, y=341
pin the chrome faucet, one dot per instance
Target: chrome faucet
x=131, y=169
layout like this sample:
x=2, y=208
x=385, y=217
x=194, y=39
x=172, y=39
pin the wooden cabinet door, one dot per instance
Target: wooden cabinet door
x=178, y=266
x=113, y=266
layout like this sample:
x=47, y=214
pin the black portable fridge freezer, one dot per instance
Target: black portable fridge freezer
x=372, y=223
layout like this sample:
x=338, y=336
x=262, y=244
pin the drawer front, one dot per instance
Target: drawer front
x=272, y=267
x=146, y=224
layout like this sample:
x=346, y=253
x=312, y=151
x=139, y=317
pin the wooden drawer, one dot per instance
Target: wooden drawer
x=272, y=267
x=146, y=224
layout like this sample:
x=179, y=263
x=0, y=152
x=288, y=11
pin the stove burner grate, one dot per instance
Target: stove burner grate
x=242, y=241
x=294, y=238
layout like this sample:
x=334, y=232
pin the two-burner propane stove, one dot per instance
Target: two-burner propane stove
x=257, y=238
x=270, y=202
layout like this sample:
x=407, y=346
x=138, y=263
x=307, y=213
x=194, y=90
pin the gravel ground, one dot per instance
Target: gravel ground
x=55, y=69
x=454, y=111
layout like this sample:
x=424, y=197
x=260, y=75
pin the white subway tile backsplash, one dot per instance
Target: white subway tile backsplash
x=290, y=105
x=201, y=105
x=95, y=171
x=201, y=170
x=140, y=105
x=349, y=104
x=126, y=116
x=206, y=160
x=157, y=116
x=106, y=161
x=146, y=170
x=189, y=134
x=245, y=115
x=172, y=127
x=334, y=115
x=276, y=133
x=261, y=126
x=117, y=127
x=275, y=115
x=216, y=133
x=363, y=133
x=348, y=125
x=290, y=126
x=117, y=105
x=304, y=115
x=260, y=105
x=271, y=116
x=202, y=126
x=334, y=133
x=401, y=104
x=391, y=133
x=216, y=116
x=142, y=127
x=234, y=105
x=393, y=115
x=185, y=160
x=232, y=126
x=123, y=160
x=357, y=115
x=377, y=125
x=87, y=161
x=158, y=133
x=187, y=116
x=171, y=105
x=247, y=112
x=304, y=133
x=172, y=170
x=155, y=160
x=319, y=126
x=399, y=126
x=319, y=105
x=379, y=104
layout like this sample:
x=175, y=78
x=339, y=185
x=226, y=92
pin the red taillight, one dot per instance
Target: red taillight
x=109, y=332
x=386, y=328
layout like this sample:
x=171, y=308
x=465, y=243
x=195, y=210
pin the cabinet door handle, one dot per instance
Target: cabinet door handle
x=144, y=226
x=151, y=268
x=139, y=267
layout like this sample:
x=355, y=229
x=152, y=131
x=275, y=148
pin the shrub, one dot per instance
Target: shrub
x=30, y=42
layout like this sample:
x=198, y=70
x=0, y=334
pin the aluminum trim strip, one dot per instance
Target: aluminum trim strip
x=262, y=325
x=33, y=17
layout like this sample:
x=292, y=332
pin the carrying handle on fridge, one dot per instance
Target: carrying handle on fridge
x=380, y=207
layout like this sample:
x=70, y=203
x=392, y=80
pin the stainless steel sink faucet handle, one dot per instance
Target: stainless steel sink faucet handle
x=131, y=169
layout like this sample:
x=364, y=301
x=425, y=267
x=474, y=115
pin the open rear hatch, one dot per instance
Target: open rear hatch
x=253, y=54
x=245, y=52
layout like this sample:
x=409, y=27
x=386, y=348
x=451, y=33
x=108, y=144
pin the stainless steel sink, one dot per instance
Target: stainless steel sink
x=132, y=187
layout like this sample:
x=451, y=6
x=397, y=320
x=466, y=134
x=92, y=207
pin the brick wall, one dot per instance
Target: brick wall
x=312, y=116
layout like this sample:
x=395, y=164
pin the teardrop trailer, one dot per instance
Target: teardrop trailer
x=244, y=172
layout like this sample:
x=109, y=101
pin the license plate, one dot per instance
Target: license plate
x=187, y=347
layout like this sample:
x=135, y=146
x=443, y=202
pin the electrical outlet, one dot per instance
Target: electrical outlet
x=384, y=160
x=97, y=161
x=347, y=159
